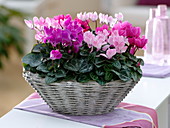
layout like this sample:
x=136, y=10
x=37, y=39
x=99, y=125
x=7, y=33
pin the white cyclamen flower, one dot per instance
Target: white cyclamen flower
x=93, y=16
x=119, y=16
x=83, y=16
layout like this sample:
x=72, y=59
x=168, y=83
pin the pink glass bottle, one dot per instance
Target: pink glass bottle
x=161, y=36
x=149, y=35
x=157, y=43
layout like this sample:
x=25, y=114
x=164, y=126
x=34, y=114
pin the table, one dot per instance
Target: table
x=150, y=92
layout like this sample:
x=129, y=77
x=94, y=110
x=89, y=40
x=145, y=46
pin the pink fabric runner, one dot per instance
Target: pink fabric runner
x=124, y=116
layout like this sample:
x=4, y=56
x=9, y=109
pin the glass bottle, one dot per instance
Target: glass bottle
x=149, y=35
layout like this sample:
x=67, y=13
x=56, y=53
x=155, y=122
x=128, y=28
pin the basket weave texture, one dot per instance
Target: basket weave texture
x=74, y=98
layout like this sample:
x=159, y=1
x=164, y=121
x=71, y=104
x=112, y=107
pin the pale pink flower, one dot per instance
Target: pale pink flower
x=119, y=16
x=105, y=47
x=48, y=21
x=29, y=23
x=103, y=34
x=39, y=23
x=109, y=53
x=89, y=38
x=97, y=43
x=55, y=23
x=39, y=36
x=118, y=42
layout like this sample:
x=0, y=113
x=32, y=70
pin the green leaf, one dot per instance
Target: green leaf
x=67, y=56
x=85, y=67
x=101, y=82
x=125, y=67
x=108, y=76
x=51, y=74
x=84, y=52
x=130, y=63
x=108, y=67
x=99, y=72
x=26, y=67
x=116, y=72
x=139, y=76
x=32, y=59
x=134, y=76
x=33, y=69
x=49, y=79
x=120, y=57
x=43, y=68
x=70, y=76
x=132, y=57
x=94, y=76
x=140, y=61
x=99, y=60
x=92, y=56
x=139, y=70
x=42, y=75
x=99, y=65
x=83, y=78
x=73, y=65
x=38, y=48
x=116, y=64
x=124, y=75
x=60, y=73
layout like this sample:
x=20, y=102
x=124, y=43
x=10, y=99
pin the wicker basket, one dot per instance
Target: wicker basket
x=80, y=98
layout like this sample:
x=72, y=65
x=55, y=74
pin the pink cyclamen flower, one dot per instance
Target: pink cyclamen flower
x=89, y=38
x=118, y=42
x=98, y=42
x=55, y=54
x=109, y=53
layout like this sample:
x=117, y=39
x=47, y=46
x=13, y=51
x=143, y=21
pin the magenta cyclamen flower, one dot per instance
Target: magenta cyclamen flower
x=140, y=42
x=55, y=54
x=126, y=29
x=83, y=24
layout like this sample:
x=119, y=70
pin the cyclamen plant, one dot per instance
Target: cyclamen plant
x=69, y=49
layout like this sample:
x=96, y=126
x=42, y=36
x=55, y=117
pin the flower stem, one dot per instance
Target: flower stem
x=96, y=24
x=89, y=25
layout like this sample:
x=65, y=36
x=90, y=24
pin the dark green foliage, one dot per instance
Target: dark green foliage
x=82, y=67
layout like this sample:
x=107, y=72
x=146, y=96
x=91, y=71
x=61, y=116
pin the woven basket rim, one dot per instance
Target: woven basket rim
x=36, y=77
